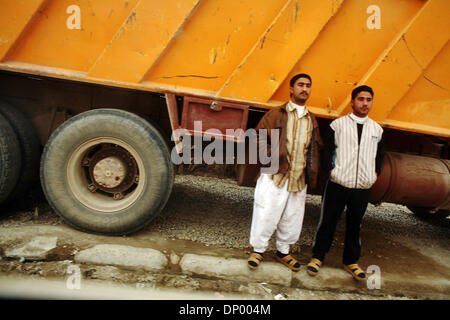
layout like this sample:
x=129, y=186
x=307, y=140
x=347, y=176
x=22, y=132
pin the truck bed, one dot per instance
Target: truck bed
x=246, y=51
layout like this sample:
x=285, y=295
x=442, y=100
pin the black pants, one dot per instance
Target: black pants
x=335, y=198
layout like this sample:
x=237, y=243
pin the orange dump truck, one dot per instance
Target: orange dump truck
x=102, y=85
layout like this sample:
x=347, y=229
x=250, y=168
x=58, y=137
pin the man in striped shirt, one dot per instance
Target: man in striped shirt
x=354, y=155
x=280, y=197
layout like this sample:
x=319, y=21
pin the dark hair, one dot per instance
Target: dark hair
x=298, y=76
x=360, y=89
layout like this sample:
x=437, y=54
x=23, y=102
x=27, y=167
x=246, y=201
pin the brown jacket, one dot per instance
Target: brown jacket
x=277, y=119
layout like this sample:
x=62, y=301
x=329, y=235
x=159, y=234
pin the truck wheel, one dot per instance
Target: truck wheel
x=107, y=171
x=10, y=159
x=29, y=148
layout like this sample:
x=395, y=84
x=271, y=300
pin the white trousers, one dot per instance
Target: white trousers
x=277, y=209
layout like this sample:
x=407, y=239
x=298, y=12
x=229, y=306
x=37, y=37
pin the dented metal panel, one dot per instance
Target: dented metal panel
x=246, y=51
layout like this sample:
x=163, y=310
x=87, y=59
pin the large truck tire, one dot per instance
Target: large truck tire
x=30, y=149
x=107, y=171
x=10, y=159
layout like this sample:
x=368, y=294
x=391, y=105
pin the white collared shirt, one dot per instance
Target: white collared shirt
x=301, y=110
x=358, y=119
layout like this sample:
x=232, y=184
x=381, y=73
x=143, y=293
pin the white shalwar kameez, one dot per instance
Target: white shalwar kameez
x=277, y=209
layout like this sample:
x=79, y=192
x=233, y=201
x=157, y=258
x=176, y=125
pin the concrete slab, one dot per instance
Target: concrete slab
x=334, y=279
x=327, y=279
x=235, y=269
x=123, y=256
x=416, y=285
x=36, y=249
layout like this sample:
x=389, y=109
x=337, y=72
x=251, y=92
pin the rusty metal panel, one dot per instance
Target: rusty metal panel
x=246, y=51
x=232, y=118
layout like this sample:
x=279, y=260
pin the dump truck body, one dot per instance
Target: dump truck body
x=225, y=63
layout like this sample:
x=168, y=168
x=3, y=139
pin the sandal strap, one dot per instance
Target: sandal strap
x=355, y=268
x=315, y=262
x=255, y=256
x=289, y=260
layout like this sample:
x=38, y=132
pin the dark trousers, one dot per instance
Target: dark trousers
x=335, y=198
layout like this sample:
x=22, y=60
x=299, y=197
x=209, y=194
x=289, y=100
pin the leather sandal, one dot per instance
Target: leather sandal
x=313, y=267
x=289, y=261
x=256, y=258
x=356, y=272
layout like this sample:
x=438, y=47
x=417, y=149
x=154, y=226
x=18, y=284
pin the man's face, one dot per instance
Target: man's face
x=362, y=104
x=300, y=91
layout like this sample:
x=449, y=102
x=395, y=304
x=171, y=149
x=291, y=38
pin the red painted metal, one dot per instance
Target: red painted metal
x=172, y=109
x=219, y=115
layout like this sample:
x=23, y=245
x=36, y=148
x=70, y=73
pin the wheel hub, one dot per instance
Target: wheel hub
x=109, y=172
x=112, y=169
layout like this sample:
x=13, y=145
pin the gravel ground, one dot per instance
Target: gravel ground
x=225, y=209
x=211, y=215
x=216, y=212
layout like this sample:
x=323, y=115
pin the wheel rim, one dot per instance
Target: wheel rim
x=106, y=174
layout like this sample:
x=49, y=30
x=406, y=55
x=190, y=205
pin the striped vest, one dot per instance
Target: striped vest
x=354, y=165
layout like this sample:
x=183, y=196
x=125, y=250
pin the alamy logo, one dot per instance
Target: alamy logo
x=74, y=281
x=73, y=22
x=219, y=151
x=374, y=280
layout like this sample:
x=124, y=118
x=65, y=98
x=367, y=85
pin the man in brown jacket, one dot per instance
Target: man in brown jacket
x=280, y=196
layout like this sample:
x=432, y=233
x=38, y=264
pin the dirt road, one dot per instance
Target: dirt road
x=211, y=216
